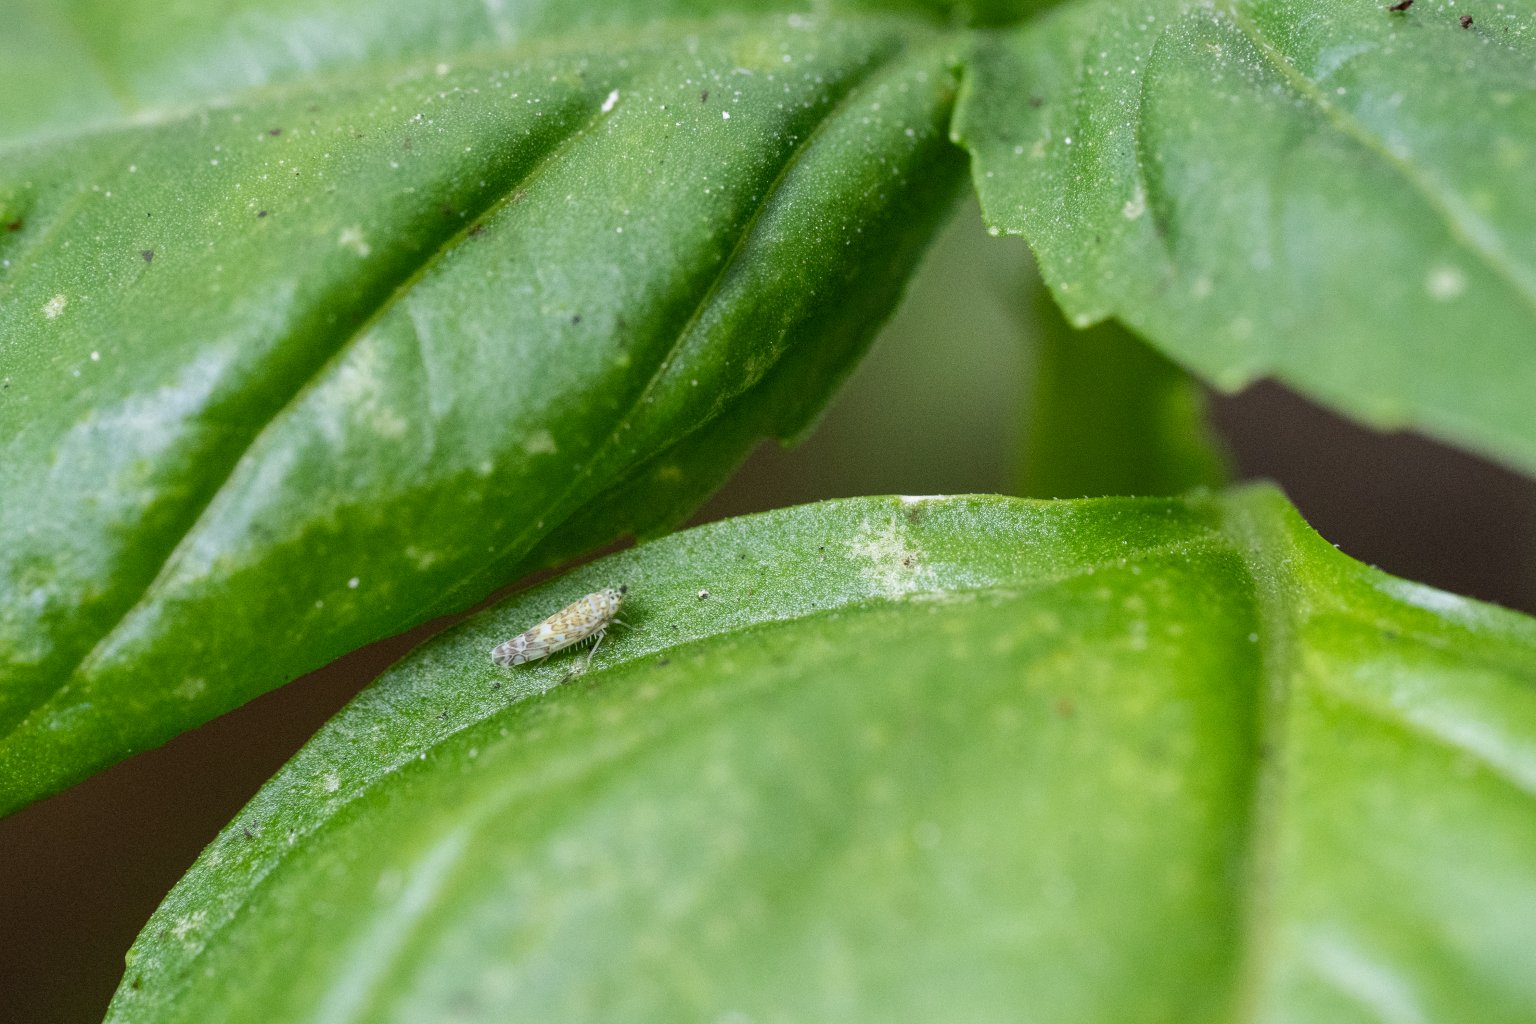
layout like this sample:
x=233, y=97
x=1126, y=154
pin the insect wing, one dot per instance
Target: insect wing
x=570, y=625
x=576, y=622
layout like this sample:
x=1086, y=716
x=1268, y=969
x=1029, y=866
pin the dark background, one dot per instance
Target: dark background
x=938, y=407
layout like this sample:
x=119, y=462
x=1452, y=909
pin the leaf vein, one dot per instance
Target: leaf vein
x=579, y=475
x=1460, y=222
x=328, y=357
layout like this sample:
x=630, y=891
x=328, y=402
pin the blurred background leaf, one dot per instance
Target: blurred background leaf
x=1112, y=416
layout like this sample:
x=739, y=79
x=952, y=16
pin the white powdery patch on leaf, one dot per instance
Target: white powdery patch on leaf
x=894, y=566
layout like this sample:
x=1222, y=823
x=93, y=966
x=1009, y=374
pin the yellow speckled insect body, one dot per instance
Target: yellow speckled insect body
x=585, y=621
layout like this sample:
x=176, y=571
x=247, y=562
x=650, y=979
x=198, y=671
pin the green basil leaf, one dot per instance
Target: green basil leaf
x=1329, y=193
x=907, y=759
x=290, y=373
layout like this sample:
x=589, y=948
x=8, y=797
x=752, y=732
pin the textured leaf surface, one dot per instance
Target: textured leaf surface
x=305, y=367
x=65, y=64
x=907, y=759
x=1322, y=191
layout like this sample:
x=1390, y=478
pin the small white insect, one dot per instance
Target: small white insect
x=585, y=621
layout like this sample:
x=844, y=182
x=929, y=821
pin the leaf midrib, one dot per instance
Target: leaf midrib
x=1265, y=547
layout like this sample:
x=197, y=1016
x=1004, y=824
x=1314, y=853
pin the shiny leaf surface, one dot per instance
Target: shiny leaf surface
x=291, y=373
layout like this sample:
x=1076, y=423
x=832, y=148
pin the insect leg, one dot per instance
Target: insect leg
x=595, y=645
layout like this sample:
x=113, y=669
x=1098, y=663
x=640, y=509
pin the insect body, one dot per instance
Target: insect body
x=585, y=621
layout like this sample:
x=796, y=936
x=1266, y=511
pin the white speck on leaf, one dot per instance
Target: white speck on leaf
x=54, y=306
x=1445, y=283
x=612, y=99
x=540, y=442
x=186, y=926
x=1135, y=206
x=352, y=238
x=423, y=558
x=352, y=583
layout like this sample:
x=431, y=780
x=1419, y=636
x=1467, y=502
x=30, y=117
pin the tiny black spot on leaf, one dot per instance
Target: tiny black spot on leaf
x=148, y=254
